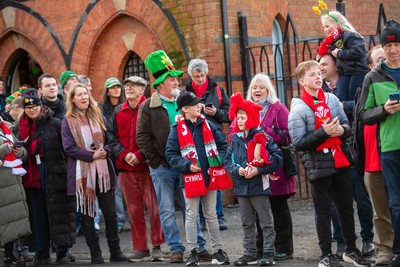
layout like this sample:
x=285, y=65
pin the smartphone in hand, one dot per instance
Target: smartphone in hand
x=394, y=96
x=209, y=105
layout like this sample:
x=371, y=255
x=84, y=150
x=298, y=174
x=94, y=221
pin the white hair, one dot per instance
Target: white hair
x=266, y=82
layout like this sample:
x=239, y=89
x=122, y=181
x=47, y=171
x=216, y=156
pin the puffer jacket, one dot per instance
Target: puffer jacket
x=211, y=96
x=152, y=131
x=236, y=157
x=173, y=150
x=60, y=207
x=14, y=213
x=352, y=56
x=306, y=139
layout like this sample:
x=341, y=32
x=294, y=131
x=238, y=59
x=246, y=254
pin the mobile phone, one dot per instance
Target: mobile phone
x=209, y=105
x=95, y=145
x=19, y=144
x=394, y=96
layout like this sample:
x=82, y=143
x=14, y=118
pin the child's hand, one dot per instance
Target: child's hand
x=250, y=172
x=242, y=171
x=335, y=52
x=194, y=168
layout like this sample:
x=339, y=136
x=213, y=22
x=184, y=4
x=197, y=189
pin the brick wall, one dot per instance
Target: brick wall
x=60, y=36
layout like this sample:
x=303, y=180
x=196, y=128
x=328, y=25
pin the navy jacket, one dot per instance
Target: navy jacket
x=236, y=157
x=173, y=150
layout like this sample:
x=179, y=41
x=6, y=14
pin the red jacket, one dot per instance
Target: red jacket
x=122, y=136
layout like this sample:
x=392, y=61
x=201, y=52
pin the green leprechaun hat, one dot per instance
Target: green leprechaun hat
x=160, y=66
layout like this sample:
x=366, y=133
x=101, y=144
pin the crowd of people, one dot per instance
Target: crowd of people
x=64, y=157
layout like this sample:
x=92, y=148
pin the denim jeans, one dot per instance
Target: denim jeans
x=364, y=209
x=166, y=184
x=119, y=203
x=391, y=174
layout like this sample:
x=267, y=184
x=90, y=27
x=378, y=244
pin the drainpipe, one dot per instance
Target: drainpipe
x=227, y=56
x=340, y=7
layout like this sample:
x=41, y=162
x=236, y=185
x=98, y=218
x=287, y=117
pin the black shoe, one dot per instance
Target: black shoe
x=267, y=260
x=193, y=259
x=222, y=224
x=341, y=248
x=354, y=257
x=280, y=256
x=329, y=261
x=246, y=260
x=118, y=257
x=220, y=258
x=204, y=255
x=62, y=258
x=396, y=261
x=368, y=249
x=12, y=261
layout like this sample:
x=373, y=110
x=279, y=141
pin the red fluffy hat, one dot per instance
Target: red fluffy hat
x=252, y=110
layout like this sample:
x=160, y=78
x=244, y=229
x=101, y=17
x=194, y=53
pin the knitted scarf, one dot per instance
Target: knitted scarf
x=10, y=160
x=85, y=132
x=200, y=90
x=27, y=127
x=322, y=115
x=194, y=183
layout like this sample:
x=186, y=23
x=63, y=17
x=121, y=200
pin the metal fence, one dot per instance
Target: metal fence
x=279, y=61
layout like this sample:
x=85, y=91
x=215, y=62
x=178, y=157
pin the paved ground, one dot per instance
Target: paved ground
x=306, y=248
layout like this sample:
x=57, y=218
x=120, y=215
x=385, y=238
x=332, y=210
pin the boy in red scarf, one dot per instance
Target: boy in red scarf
x=195, y=147
x=318, y=126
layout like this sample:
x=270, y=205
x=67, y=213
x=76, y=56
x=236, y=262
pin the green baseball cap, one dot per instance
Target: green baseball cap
x=110, y=82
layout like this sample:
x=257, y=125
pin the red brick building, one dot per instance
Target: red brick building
x=113, y=37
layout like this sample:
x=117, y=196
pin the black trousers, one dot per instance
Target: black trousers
x=336, y=188
x=283, y=224
x=107, y=205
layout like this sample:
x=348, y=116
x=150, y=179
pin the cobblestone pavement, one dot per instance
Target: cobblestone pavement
x=306, y=250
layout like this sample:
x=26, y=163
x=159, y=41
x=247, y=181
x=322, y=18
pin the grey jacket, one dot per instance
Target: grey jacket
x=14, y=215
x=306, y=139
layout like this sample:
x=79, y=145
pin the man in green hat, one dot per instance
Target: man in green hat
x=155, y=117
x=68, y=78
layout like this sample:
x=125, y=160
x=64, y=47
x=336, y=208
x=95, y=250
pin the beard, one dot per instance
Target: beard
x=175, y=92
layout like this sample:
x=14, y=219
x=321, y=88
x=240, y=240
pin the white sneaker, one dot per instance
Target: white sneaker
x=97, y=226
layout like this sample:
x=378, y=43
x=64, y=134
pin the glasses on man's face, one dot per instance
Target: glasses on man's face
x=129, y=87
x=32, y=108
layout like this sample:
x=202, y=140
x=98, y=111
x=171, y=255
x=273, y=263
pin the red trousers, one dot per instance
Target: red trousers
x=138, y=190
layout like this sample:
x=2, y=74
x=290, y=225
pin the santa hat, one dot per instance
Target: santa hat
x=252, y=111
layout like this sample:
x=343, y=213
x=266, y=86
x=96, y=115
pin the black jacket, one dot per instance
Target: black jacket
x=58, y=107
x=352, y=56
x=211, y=96
x=60, y=207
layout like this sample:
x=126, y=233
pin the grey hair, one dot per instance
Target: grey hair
x=266, y=81
x=199, y=65
x=84, y=79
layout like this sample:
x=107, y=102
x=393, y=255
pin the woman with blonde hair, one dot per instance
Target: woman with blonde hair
x=90, y=170
x=274, y=121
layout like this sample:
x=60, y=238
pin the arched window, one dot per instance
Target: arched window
x=135, y=67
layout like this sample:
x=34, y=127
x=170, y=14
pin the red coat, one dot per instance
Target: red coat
x=122, y=136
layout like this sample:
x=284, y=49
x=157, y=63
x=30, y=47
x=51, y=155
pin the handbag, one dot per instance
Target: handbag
x=289, y=155
x=349, y=151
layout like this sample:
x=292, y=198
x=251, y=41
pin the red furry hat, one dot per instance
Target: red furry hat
x=252, y=110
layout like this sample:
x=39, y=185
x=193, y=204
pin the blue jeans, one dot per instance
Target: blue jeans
x=364, y=209
x=347, y=85
x=166, y=184
x=119, y=204
x=391, y=174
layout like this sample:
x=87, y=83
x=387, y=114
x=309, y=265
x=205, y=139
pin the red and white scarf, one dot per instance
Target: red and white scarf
x=194, y=183
x=10, y=160
x=322, y=115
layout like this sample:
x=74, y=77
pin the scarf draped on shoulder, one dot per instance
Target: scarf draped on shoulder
x=86, y=131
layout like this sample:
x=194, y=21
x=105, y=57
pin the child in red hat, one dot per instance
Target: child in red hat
x=251, y=159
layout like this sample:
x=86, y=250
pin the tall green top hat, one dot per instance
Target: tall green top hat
x=159, y=64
